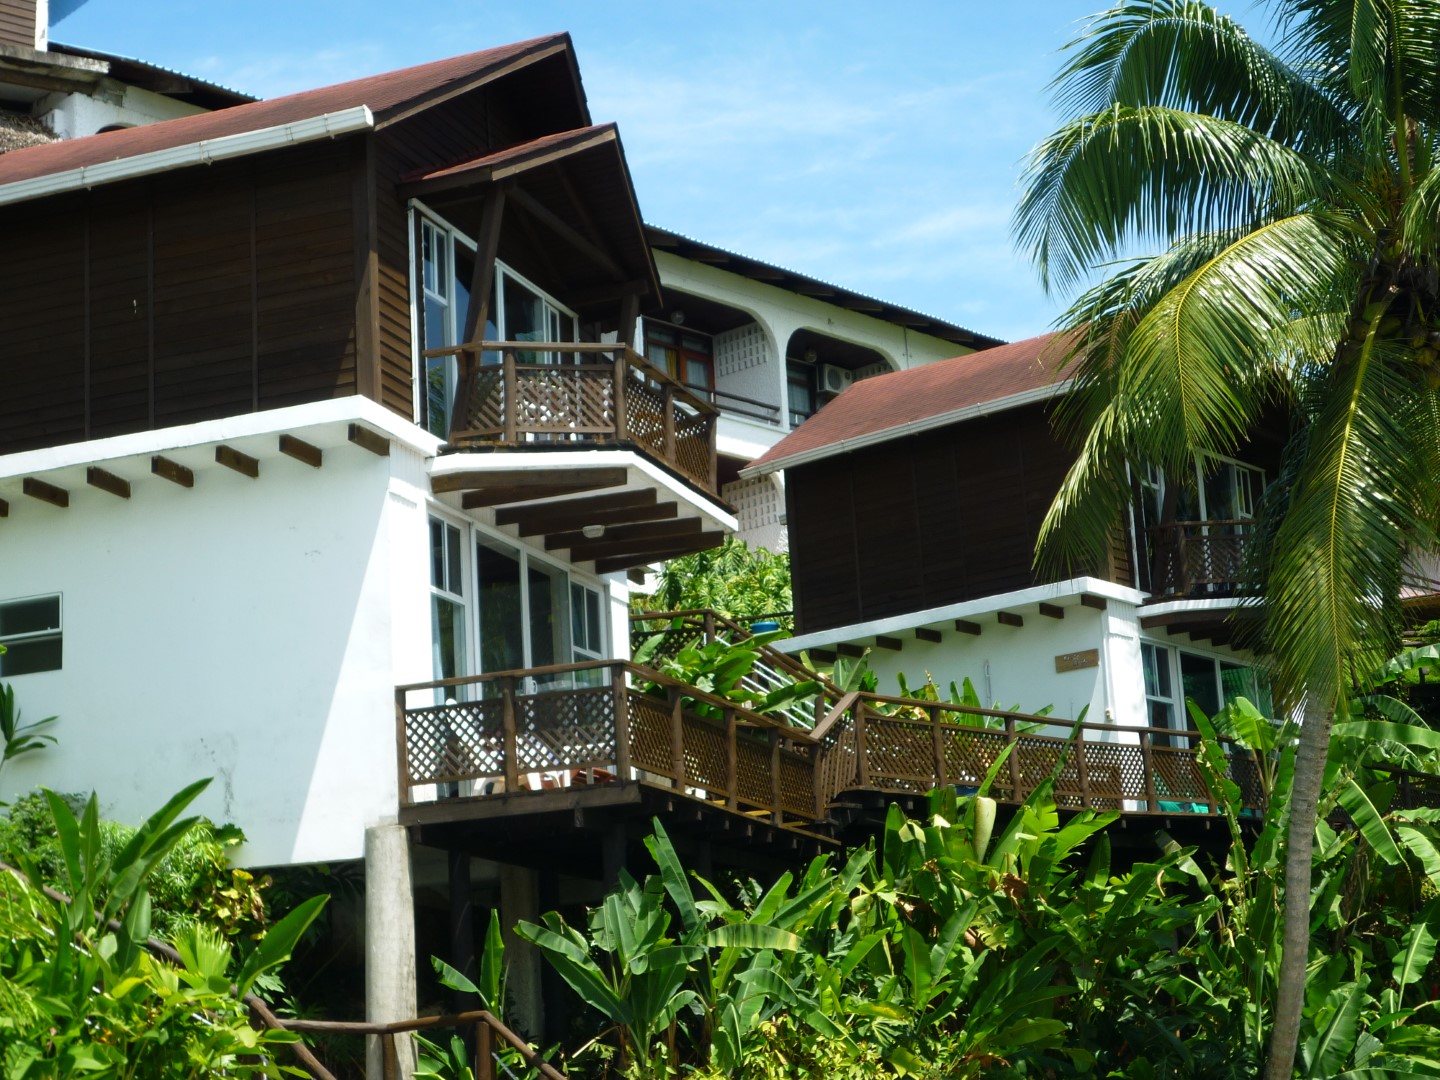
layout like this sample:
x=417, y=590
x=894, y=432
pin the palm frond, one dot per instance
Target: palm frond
x=1183, y=54
x=1420, y=220
x=1133, y=175
x=1335, y=568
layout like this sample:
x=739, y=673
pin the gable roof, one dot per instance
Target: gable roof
x=389, y=96
x=905, y=402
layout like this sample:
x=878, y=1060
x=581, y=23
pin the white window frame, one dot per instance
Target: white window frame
x=56, y=634
x=470, y=532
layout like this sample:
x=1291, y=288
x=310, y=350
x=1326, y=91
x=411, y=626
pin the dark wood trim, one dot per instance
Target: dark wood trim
x=1051, y=611
x=477, y=310
x=703, y=542
x=505, y=496
x=924, y=633
x=455, y=89
x=964, y=626
x=97, y=477
x=254, y=292
x=665, y=529
x=301, y=450
x=650, y=547
x=1009, y=618
x=846, y=648
x=85, y=359
x=575, y=513
x=47, y=493
x=1090, y=600
x=234, y=459
x=173, y=471
x=4, y=509
x=363, y=201
x=572, y=236
x=823, y=656
x=894, y=644
x=150, y=307
x=367, y=439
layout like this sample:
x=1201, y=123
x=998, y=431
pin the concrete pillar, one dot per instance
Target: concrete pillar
x=389, y=942
x=520, y=899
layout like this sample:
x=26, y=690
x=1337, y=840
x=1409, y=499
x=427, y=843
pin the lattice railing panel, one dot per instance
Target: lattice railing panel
x=564, y=399
x=448, y=743
x=1115, y=772
x=645, y=415
x=797, y=783
x=649, y=733
x=704, y=753
x=900, y=753
x=564, y=729
x=752, y=771
x=1245, y=772
x=692, y=445
x=485, y=415
x=1177, y=776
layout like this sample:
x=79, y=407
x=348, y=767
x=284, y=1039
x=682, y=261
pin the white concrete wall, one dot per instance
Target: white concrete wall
x=238, y=630
x=1008, y=665
x=759, y=508
x=72, y=115
x=745, y=362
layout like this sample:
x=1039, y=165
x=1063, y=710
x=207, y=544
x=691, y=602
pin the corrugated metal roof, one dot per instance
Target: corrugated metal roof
x=889, y=406
x=384, y=94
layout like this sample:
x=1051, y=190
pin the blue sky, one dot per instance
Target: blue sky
x=875, y=144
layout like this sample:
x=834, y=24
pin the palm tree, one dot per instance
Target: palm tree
x=1294, y=196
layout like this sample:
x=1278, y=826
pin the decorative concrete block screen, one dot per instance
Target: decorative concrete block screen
x=758, y=506
x=745, y=364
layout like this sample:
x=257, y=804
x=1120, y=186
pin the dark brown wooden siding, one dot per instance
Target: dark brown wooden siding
x=203, y=293
x=934, y=519
x=17, y=23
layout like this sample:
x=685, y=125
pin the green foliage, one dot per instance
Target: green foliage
x=193, y=884
x=733, y=579
x=16, y=736
x=719, y=668
x=85, y=996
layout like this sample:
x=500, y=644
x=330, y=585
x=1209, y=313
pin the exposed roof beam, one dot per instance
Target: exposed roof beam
x=46, y=493
x=479, y=480
x=570, y=514
x=641, y=530
x=705, y=541
x=552, y=221
x=105, y=480
x=653, y=548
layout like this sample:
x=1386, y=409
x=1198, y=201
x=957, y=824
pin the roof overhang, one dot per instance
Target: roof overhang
x=613, y=509
x=913, y=427
x=205, y=152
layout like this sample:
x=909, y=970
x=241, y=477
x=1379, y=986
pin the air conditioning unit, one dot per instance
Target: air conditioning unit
x=834, y=379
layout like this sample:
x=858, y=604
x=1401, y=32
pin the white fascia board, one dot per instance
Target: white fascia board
x=561, y=461
x=985, y=605
x=1186, y=607
x=204, y=152
x=295, y=419
x=914, y=427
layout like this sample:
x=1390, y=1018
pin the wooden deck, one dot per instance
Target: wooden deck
x=489, y=746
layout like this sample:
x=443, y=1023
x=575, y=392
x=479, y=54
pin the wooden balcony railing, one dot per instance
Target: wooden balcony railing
x=584, y=724
x=580, y=394
x=589, y=723
x=1199, y=558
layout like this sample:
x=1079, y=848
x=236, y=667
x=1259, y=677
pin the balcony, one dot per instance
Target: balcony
x=578, y=395
x=580, y=736
x=1199, y=559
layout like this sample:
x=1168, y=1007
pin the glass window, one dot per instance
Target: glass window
x=1159, y=697
x=686, y=356
x=30, y=632
x=447, y=601
x=800, y=379
x=585, y=623
x=501, y=606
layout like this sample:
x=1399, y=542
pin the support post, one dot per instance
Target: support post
x=622, y=721
x=667, y=420
x=612, y=855
x=1147, y=763
x=389, y=945
x=477, y=311
x=1016, y=776
x=509, y=738
x=937, y=747
x=512, y=404
x=462, y=928
x=1083, y=767
x=402, y=756
x=520, y=899
x=484, y=1052
x=732, y=769
x=861, y=755
x=677, y=739
x=622, y=375
x=776, y=814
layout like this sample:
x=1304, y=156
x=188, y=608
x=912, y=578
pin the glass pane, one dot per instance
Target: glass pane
x=548, y=629
x=464, y=272
x=697, y=373
x=433, y=244
x=594, y=640
x=501, y=624
x=454, y=580
x=524, y=317
x=26, y=657
x=696, y=343
x=30, y=616
x=447, y=631
x=437, y=396
x=1197, y=681
x=437, y=553
x=660, y=334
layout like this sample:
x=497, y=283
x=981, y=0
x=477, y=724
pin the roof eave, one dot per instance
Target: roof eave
x=913, y=427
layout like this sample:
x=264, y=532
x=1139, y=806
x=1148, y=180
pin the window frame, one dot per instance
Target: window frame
x=32, y=637
x=683, y=355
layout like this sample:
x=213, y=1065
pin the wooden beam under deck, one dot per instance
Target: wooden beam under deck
x=924, y=633
x=607, y=547
x=1052, y=611
x=100, y=478
x=366, y=439
x=640, y=530
x=1009, y=618
x=703, y=542
x=46, y=493
x=504, y=486
x=568, y=515
x=894, y=644
x=173, y=471
x=301, y=450
x=974, y=629
x=231, y=458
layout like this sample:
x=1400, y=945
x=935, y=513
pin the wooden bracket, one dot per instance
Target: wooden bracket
x=39, y=489
x=971, y=628
x=1052, y=611
x=1009, y=618
x=234, y=459
x=301, y=451
x=363, y=437
x=97, y=477
x=924, y=633
x=173, y=471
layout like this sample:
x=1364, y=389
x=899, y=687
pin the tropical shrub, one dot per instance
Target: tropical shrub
x=734, y=579
x=82, y=990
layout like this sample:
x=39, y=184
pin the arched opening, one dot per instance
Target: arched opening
x=818, y=367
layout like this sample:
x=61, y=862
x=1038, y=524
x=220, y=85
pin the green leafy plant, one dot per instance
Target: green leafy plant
x=17, y=737
x=734, y=579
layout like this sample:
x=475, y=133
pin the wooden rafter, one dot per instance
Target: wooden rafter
x=46, y=493
x=569, y=514
x=966, y=627
x=173, y=471
x=301, y=450
x=649, y=548
x=705, y=541
x=925, y=633
x=100, y=478
x=641, y=530
x=242, y=463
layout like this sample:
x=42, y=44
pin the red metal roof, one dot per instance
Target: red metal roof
x=514, y=154
x=894, y=402
x=382, y=93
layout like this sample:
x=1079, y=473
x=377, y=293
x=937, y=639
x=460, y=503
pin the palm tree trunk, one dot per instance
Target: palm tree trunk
x=1310, y=758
